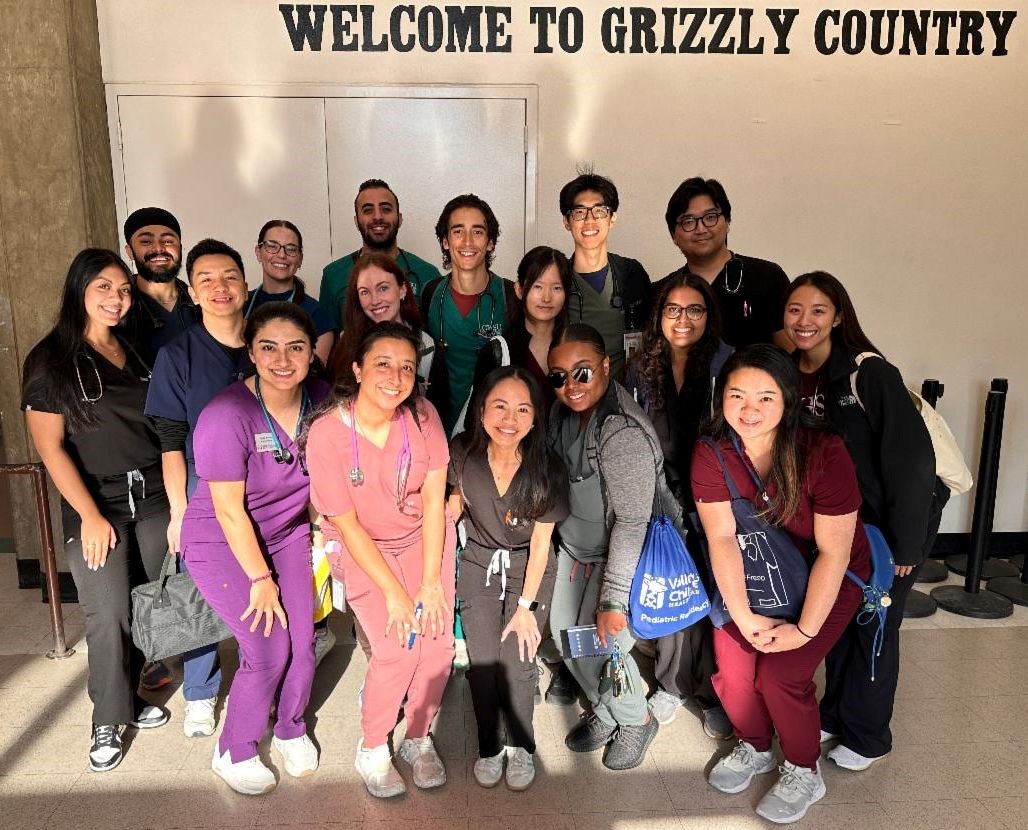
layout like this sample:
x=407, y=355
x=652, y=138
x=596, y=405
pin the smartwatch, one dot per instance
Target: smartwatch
x=528, y=605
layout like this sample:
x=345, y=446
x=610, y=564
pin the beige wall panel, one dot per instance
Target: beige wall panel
x=33, y=34
x=905, y=175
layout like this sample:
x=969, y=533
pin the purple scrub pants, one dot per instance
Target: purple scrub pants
x=283, y=662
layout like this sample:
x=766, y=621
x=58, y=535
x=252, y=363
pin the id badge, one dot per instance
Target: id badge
x=264, y=442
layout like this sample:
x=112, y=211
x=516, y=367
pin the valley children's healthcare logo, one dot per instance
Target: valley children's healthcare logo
x=653, y=590
x=674, y=592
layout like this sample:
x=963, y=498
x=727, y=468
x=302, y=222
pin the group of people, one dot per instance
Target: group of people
x=484, y=456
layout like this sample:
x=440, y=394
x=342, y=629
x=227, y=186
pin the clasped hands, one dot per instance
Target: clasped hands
x=770, y=634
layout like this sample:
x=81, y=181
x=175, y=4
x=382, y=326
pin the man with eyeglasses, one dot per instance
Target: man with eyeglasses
x=163, y=308
x=609, y=292
x=467, y=308
x=749, y=291
x=378, y=220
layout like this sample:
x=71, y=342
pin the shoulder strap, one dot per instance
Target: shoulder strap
x=732, y=489
x=853, y=377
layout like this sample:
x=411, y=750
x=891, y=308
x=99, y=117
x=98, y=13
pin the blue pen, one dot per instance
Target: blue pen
x=413, y=634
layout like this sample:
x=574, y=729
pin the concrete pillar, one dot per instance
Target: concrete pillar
x=56, y=196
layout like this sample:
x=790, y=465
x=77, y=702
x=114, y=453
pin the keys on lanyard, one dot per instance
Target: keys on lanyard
x=614, y=676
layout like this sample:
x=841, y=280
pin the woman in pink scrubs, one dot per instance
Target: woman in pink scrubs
x=246, y=540
x=378, y=457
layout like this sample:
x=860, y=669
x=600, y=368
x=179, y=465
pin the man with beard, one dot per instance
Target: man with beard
x=163, y=308
x=378, y=219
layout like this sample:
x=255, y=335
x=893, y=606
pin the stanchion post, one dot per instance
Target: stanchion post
x=972, y=601
x=932, y=390
x=46, y=538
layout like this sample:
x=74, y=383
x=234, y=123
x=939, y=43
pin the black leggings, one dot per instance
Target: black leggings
x=105, y=596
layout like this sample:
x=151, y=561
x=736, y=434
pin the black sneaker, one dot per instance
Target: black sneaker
x=149, y=717
x=563, y=688
x=105, y=751
x=154, y=676
x=716, y=724
x=628, y=749
x=589, y=735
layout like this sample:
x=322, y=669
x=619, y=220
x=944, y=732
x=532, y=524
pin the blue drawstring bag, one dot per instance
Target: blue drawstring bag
x=667, y=593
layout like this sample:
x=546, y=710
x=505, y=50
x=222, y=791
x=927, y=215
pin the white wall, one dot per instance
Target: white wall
x=906, y=176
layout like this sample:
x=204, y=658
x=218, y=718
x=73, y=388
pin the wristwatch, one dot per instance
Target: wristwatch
x=528, y=605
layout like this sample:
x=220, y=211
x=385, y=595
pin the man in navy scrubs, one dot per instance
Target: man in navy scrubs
x=188, y=372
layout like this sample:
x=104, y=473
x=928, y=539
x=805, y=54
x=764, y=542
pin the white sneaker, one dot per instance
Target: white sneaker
x=461, y=661
x=376, y=769
x=299, y=754
x=324, y=640
x=198, y=720
x=520, y=768
x=489, y=771
x=848, y=759
x=249, y=777
x=421, y=755
x=735, y=772
x=664, y=706
x=827, y=736
x=797, y=789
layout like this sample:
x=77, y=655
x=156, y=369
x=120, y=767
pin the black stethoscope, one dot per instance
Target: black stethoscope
x=616, y=301
x=96, y=371
x=278, y=452
x=487, y=331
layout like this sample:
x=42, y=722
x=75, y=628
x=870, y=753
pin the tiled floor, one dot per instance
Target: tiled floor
x=961, y=759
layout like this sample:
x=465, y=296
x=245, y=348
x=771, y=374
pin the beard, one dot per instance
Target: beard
x=372, y=244
x=166, y=275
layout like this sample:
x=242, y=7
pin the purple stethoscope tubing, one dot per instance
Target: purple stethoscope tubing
x=356, y=474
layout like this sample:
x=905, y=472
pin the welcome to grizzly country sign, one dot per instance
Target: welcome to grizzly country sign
x=343, y=27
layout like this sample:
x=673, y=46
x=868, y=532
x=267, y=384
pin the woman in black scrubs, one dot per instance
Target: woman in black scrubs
x=83, y=390
x=512, y=490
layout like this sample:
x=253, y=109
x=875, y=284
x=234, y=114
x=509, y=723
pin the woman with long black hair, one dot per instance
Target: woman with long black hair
x=801, y=480
x=847, y=383
x=83, y=391
x=673, y=376
x=511, y=490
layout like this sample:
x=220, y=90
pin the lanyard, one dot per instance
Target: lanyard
x=280, y=453
x=256, y=293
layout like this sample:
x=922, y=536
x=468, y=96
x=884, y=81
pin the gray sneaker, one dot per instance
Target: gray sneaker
x=628, y=749
x=734, y=773
x=589, y=734
x=791, y=797
x=664, y=706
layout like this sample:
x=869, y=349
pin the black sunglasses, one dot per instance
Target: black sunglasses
x=558, y=377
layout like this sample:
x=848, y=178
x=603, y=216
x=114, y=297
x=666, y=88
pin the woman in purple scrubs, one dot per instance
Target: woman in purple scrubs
x=246, y=540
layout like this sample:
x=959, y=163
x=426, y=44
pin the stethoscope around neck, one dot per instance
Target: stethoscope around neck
x=616, y=300
x=278, y=452
x=488, y=331
x=403, y=460
x=96, y=371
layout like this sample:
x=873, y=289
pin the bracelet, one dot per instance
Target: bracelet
x=619, y=607
x=804, y=633
x=260, y=578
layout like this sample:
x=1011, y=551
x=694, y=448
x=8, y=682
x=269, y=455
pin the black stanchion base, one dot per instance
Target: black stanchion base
x=919, y=605
x=933, y=570
x=1010, y=587
x=984, y=605
x=990, y=568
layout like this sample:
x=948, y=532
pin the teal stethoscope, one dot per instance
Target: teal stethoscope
x=278, y=452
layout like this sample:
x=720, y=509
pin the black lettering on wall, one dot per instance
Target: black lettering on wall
x=368, y=13
x=541, y=17
x=971, y=33
x=723, y=18
x=401, y=44
x=430, y=28
x=781, y=22
x=745, y=47
x=301, y=27
x=613, y=35
x=1001, y=23
x=879, y=26
x=571, y=29
x=915, y=30
x=343, y=39
x=822, y=45
x=854, y=32
x=464, y=22
x=689, y=45
x=942, y=21
x=644, y=39
x=497, y=18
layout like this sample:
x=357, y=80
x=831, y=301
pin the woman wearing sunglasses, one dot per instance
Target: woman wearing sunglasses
x=378, y=458
x=767, y=450
x=83, y=391
x=869, y=405
x=246, y=542
x=615, y=464
x=378, y=291
x=511, y=489
x=280, y=252
x=672, y=376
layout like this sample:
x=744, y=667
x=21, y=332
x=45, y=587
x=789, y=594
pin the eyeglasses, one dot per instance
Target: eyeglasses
x=596, y=212
x=558, y=377
x=693, y=312
x=291, y=251
x=709, y=219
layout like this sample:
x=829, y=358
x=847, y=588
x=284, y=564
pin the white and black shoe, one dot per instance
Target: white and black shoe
x=149, y=717
x=105, y=751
